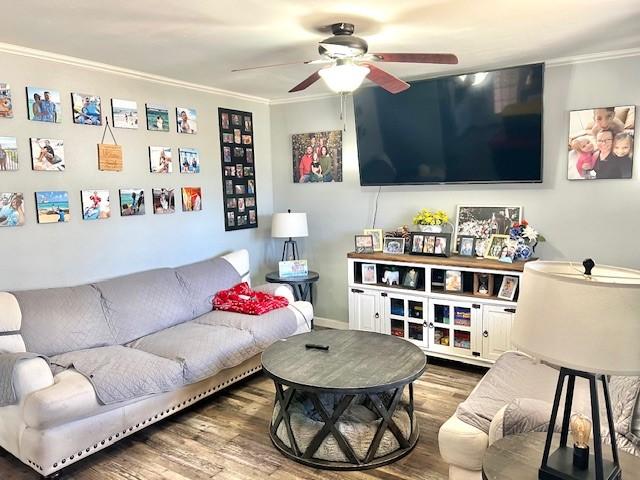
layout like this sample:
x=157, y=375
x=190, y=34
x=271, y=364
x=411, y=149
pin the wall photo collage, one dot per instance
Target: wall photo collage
x=238, y=169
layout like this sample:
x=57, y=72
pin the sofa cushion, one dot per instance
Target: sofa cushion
x=265, y=329
x=120, y=373
x=59, y=320
x=203, y=350
x=143, y=303
x=202, y=280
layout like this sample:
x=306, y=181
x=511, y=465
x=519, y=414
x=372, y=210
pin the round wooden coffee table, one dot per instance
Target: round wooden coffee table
x=359, y=367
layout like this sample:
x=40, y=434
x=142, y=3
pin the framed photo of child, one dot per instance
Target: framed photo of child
x=508, y=288
x=601, y=143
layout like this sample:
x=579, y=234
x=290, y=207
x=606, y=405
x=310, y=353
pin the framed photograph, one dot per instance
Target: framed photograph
x=410, y=279
x=186, y=120
x=95, y=204
x=228, y=187
x=238, y=152
x=496, y=246
x=377, y=235
x=131, y=202
x=189, y=160
x=191, y=199
x=231, y=219
x=466, y=246
x=124, y=113
x=11, y=209
x=53, y=207
x=417, y=243
x=224, y=120
x=157, y=118
x=237, y=137
x=508, y=251
x=483, y=284
x=230, y=171
x=247, y=124
x=247, y=140
x=239, y=189
x=160, y=160
x=6, y=104
x=47, y=154
x=241, y=220
x=8, y=154
x=43, y=105
x=248, y=171
x=253, y=217
x=227, y=138
x=87, y=109
x=453, y=281
x=508, y=288
x=482, y=221
x=429, y=246
x=163, y=200
x=601, y=143
x=251, y=187
x=317, y=157
x=240, y=205
x=442, y=244
x=226, y=154
x=239, y=170
x=393, y=245
x=232, y=203
x=364, y=243
x=236, y=119
x=249, y=155
x=369, y=274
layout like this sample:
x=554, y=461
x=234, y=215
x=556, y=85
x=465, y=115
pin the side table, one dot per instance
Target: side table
x=518, y=457
x=302, y=284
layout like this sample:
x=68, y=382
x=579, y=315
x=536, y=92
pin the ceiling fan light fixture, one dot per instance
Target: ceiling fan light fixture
x=344, y=78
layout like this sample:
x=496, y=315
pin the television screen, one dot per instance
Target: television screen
x=483, y=127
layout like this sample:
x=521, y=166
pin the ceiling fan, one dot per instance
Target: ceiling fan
x=350, y=63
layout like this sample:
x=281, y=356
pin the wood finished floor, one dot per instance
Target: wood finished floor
x=225, y=437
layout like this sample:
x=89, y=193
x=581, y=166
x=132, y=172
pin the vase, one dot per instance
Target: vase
x=525, y=249
x=430, y=228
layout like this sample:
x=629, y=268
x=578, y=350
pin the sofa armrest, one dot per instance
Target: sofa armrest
x=461, y=444
x=280, y=289
x=30, y=375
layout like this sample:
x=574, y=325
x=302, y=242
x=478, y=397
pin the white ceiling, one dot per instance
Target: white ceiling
x=200, y=41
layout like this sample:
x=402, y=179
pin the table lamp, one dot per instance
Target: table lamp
x=289, y=225
x=582, y=319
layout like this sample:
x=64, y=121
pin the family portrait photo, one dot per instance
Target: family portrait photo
x=11, y=209
x=157, y=118
x=87, y=109
x=160, y=160
x=483, y=221
x=189, y=160
x=601, y=143
x=125, y=113
x=8, y=153
x=52, y=207
x=163, y=200
x=317, y=157
x=43, y=105
x=191, y=199
x=6, y=106
x=95, y=204
x=47, y=154
x=131, y=201
x=186, y=120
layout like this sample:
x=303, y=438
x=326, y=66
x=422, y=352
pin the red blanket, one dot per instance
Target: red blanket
x=242, y=299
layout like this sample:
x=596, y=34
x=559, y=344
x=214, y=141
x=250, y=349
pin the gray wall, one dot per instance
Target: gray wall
x=580, y=219
x=66, y=254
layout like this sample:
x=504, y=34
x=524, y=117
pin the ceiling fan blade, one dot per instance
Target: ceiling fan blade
x=307, y=82
x=389, y=82
x=446, y=58
x=308, y=62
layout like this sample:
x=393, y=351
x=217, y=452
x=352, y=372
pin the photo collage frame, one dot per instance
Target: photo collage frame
x=238, y=169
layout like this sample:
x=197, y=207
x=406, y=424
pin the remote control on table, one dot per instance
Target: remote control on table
x=316, y=346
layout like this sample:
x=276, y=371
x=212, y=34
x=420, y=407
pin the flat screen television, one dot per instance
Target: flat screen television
x=482, y=127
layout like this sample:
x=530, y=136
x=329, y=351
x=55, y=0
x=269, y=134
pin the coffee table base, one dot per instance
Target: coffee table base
x=385, y=411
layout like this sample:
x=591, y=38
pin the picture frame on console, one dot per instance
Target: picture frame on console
x=364, y=243
x=453, y=281
x=393, y=245
x=369, y=273
x=496, y=247
x=508, y=288
x=378, y=236
x=482, y=221
x=467, y=246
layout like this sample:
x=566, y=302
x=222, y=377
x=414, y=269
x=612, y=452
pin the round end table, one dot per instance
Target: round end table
x=302, y=284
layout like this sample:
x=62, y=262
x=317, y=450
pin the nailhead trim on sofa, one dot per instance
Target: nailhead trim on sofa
x=131, y=429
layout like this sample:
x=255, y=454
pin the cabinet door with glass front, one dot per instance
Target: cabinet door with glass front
x=405, y=317
x=453, y=327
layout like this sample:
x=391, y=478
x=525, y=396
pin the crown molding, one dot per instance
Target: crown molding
x=125, y=72
x=305, y=98
x=594, y=57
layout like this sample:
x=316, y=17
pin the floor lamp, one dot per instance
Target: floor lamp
x=583, y=321
x=289, y=225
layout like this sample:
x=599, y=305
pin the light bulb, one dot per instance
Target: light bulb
x=580, y=430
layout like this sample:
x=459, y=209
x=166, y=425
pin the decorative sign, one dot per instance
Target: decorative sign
x=109, y=157
x=238, y=169
x=293, y=268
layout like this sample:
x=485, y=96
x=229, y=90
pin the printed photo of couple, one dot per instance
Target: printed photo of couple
x=43, y=105
x=317, y=157
x=11, y=209
x=601, y=143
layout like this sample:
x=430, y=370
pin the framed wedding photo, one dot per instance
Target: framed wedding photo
x=364, y=243
x=508, y=288
x=378, y=235
x=393, y=245
x=369, y=274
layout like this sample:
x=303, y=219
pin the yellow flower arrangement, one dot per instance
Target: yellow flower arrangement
x=427, y=217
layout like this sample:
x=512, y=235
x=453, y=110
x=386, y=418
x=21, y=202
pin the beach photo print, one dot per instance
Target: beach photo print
x=53, y=207
x=125, y=113
x=157, y=118
x=43, y=105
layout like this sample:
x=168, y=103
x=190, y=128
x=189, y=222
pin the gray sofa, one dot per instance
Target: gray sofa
x=124, y=353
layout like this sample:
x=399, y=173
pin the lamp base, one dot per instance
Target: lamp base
x=560, y=467
x=290, y=250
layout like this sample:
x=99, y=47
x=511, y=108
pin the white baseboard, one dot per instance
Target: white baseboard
x=330, y=323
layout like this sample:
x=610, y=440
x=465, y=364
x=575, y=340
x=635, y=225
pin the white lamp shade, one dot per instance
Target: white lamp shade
x=570, y=320
x=344, y=78
x=286, y=225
